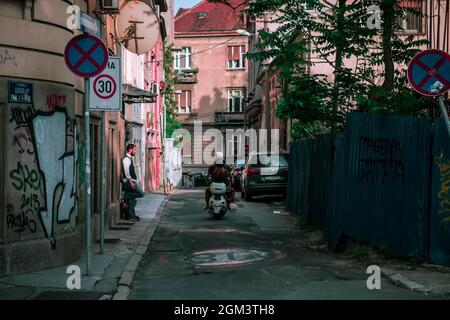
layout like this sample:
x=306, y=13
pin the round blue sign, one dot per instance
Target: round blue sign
x=429, y=72
x=86, y=55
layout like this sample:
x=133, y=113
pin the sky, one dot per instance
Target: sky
x=185, y=4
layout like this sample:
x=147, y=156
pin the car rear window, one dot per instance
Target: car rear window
x=282, y=162
x=239, y=165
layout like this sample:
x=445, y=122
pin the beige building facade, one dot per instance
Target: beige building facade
x=42, y=154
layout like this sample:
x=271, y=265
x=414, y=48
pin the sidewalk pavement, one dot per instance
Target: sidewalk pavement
x=111, y=273
x=429, y=279
x=426, y=278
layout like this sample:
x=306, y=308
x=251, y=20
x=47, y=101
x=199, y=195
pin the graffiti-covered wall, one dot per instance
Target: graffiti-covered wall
x=41, y=147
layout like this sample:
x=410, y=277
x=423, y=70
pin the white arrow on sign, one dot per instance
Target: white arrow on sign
x=89, y=24
x=82, y=21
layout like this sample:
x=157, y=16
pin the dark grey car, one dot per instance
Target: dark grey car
x=261, y=178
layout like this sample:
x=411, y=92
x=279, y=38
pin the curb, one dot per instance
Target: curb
x=400, y=280
x=128, y=275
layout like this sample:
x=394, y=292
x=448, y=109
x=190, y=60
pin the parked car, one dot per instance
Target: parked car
x=259, y=178
x=236, y=173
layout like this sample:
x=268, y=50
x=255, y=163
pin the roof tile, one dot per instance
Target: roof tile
x=218, y=17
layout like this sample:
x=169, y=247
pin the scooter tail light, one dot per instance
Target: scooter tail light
x=253, y=171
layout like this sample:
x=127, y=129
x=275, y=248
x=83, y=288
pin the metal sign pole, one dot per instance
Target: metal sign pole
x=102, y=185
x=444, y=113
x=87, y=181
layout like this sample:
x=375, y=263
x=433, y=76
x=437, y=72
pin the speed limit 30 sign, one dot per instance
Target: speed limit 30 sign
x=105, y=93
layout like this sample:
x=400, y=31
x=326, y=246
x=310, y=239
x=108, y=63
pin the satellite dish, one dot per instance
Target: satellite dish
x=137, y=26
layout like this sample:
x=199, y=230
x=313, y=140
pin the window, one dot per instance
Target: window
x=236, y=57
x=182, y=59
x=411, y=21
x=184, y=99
x=235, y=100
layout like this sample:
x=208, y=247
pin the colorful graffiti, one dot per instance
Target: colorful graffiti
x=444, y=190
x=6, y=57
x=54, y=101
x=56, y=166
x=23, y=141
x=44, y=174
x=21, y=116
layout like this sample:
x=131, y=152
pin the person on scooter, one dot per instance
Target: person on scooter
x=219, y=172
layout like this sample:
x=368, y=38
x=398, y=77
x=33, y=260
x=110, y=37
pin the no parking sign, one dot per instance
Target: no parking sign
x=429, y=72
x=105, y=91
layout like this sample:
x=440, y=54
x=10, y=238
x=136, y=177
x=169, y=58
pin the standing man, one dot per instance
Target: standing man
x=131, y=187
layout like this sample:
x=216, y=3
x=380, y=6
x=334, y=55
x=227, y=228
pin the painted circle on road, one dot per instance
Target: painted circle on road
x=232, y=257
x=104, y=86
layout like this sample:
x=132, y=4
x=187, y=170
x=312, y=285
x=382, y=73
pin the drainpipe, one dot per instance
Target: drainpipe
x=267, y=96
x=267, y=106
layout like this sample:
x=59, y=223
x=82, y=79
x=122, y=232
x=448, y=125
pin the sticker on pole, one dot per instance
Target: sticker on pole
x=429, y=72
x=86, y=55
x=105, y=88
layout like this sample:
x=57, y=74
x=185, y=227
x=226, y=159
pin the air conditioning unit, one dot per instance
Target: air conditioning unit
x=110, y=5
x=155, y=88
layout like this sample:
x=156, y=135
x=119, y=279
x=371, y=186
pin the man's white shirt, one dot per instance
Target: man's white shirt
x=126, y=167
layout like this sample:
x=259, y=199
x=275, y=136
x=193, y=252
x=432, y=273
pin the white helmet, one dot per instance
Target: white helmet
x=219, y=158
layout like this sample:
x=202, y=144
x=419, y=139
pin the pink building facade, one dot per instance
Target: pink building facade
x=212, y=73
x=264, y=92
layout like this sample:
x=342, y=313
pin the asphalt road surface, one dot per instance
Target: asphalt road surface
x=253, y=253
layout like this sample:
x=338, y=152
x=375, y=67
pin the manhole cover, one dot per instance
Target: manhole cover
x=233, y=257
x=68, y=295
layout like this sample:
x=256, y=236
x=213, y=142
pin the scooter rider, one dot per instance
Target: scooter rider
x=219, y=172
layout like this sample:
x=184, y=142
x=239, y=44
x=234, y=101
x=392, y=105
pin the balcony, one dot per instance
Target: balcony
x=229, y=117
x=186, y=75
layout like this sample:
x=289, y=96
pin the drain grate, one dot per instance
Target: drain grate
x=119, y=228
x=125, y=224
x=68, y=295
x=164, y=247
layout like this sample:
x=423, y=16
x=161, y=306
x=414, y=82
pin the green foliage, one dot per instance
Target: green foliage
x=360, y=252
x=334, y=33
x=302, y=220
x=413, y=260
x=386, y=251
x=170, y=81
x=172, y=124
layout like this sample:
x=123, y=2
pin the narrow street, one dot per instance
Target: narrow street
x=253, y=253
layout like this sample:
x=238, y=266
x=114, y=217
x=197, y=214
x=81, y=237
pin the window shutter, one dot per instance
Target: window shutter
x=183, y=99
x=183, y=61
x=188, y=58
x=236, y=53
x=188, y=98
